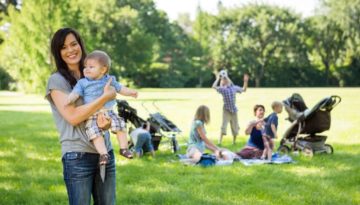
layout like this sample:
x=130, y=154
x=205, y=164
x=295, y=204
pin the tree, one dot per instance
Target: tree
x=327, y=41
x=252, y=38
x=26, y=53
x=346, y=14
x=205, y=35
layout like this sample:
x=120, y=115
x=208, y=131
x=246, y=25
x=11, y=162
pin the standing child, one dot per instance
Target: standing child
x=270, y=130
x=228, y=90
x=97, y=66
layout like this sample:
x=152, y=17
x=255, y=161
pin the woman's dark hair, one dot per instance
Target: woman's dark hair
x=57, y=44
x=256, y=107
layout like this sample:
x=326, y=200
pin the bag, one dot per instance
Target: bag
x=207, y=160
x=248, y=153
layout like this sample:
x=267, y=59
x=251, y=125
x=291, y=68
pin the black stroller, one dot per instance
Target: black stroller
x=306, y=123
x=160, y=126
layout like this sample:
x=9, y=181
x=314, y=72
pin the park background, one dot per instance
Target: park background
x=171, y=62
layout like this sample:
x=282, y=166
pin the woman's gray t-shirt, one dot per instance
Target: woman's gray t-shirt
x=72, y=138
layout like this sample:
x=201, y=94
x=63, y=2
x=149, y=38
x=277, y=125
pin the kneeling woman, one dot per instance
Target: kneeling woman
x=198, y=140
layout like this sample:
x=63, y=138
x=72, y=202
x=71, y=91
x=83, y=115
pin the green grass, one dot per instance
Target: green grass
x=31, y=170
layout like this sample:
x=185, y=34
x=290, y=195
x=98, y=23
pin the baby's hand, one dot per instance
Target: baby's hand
x=72, y=97
x=134, y=94
x=68, y=102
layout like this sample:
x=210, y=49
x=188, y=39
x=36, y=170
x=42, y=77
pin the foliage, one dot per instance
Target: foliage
x=257, y=39
x=327, y=41
x=5, y=80
x=274, y=45
x=26, y=53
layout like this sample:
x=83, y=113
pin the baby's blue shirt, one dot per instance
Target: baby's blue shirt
x=92, y=89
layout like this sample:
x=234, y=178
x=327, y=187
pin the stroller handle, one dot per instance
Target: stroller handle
x=335, y=100
x=153, y=104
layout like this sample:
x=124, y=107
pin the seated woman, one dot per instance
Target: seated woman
x=255, y=145
x=198, y=140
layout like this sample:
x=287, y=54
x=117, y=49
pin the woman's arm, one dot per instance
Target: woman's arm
x=75, y=115
x=250, y=126
x=208, y=143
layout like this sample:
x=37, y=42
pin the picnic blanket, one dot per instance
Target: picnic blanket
x=187, y=161
x=276, y=159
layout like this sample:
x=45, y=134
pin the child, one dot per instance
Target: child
x=269, y=130
x=97, y=66
x=228, y=90
x=141, y=137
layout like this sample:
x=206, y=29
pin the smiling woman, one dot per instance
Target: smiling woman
x=79, y=156
x=71, y=53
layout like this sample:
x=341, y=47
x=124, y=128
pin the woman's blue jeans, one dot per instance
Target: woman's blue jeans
x=82, y=178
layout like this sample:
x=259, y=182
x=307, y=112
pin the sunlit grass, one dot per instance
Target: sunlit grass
x=31, y=170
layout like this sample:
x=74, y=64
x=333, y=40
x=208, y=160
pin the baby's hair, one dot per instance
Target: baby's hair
x=101, y=56
x=276, y=104
x=203, y=114
x=256, y=107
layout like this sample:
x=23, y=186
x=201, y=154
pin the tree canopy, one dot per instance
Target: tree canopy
x=276, y=46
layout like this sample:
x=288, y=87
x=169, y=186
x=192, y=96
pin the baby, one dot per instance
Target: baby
x=97, y=66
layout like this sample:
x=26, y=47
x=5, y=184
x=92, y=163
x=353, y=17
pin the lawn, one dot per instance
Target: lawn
x=31, y=170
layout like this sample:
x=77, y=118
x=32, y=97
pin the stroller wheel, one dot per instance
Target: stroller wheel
x=308, y=151
x=329, y=149
x=283, y=149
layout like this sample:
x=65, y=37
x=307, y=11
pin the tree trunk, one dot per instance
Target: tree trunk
x=259, y=75
x=257, y=81
x=200, y=83
x=327, y=69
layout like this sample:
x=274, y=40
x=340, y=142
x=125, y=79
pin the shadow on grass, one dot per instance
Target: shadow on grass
x=31, y=173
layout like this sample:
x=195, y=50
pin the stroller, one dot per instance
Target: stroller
x=306, y=123
x=160, y=126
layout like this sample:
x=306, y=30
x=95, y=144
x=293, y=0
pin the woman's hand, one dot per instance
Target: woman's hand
x=217, y=154
x=109, y=91
x=103, y=122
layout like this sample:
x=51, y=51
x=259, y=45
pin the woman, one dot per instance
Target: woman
x=198, y=140
x=79, y=157
x=255, y=145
